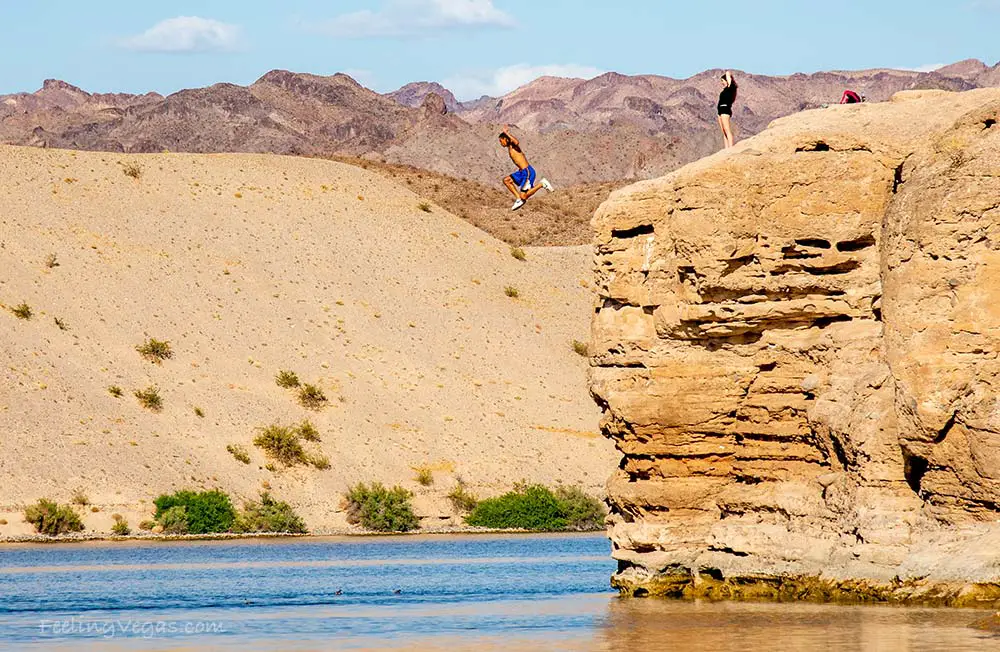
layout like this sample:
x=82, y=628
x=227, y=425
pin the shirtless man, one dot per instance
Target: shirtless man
x=522, y=182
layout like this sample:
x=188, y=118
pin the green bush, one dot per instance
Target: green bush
x=527, y=508
x=239, y=453
x=538, y=508
x=120, y=526
x=52, y=519
x=287, y=379
x=174, y=520
x=312, y=397
x=205, y=512
x=268, y=515
x=511, y=292
x=381, y=510
x=150, y=398
x=583, y=512
x=518, y=253
x=23, y=311
x=155, y=351
x=461, y=499
x=308, y=431
x=425, y=476
x=581, y=348
x=115, y=391
x=282, y=444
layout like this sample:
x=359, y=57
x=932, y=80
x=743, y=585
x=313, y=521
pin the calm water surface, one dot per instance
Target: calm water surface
x=459, y=593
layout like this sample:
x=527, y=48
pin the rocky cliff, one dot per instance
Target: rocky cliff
x=796, y=351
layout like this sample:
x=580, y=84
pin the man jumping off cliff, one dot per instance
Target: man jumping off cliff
x=522, y=182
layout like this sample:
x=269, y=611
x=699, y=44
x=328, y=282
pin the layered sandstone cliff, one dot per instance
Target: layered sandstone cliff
x=796, y=350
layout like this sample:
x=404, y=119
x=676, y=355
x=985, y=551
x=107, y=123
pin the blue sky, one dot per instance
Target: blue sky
x=473, y=46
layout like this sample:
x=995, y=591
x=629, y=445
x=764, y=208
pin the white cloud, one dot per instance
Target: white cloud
x=186, y=34
x=505, y=80
x=413, y=17
x=931, y=67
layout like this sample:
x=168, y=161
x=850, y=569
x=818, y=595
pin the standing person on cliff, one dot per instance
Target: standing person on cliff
x=522, y=182
x=726, y=100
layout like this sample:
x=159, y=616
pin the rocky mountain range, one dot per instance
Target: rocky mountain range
x=608, y=128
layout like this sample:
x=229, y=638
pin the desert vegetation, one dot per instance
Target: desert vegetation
x=115, y=391
x=239, y=453
x=52, y=519
x=132, y=170
x=538, y=508
x=376, y=508
x=156, y=351
x=287, y=380
x=212, y=512
x=120, y=526
x=23, y=311
x=518, y=253
x=462, y=500
x=425, y=206
x=511, y=292
x=268, y=515
x=283, y=444
x=150, y=398
x=581, y=348
x=189, y=512
x=425, y=476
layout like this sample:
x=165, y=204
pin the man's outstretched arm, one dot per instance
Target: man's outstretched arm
x=513, y=140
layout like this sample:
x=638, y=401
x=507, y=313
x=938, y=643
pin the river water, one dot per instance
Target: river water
x=425, y=593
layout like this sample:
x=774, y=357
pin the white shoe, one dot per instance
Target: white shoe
x=548, y=186
x=518, y=204
x=527, y=186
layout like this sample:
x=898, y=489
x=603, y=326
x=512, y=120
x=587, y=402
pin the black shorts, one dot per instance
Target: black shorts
x=725, y=109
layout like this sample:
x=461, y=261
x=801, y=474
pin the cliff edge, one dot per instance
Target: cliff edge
x=796, y=351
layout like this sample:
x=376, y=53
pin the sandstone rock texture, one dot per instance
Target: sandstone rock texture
x=796, y=351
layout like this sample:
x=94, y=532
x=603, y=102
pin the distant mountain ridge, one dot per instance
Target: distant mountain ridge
x=603, y=129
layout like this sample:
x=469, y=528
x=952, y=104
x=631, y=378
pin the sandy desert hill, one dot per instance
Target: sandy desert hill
x=251, y=264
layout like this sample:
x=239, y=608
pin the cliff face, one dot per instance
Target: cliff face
x=796, y=351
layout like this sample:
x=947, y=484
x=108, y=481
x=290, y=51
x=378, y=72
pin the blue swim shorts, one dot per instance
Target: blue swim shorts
x=525, y=179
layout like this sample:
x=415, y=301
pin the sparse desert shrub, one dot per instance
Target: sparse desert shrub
x=511, y=292
x=282, y=444
x=581, y=348
x=583, y=511
x=268, y=515
x=52, y=519
x=132, y=169
x=120, y=526
x=156, y=351
x=174, y=520
x=60, y=324
x=147, y=525
x=461, y=499
x=287, y=379
x=425, y=476
x=320, y=462
x=23, y=311
x=379, y=509
x=205, y=512
x=150, y=398
x=51, y=261
x=518, y=253
x=115, y=391
x=198, y=412
x=312, y=397
x=80, y=498
x=308, y=431
x=425, y=207
x=239, y=453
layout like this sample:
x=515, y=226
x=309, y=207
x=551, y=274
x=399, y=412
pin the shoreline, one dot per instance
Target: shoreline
x=333, y=536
